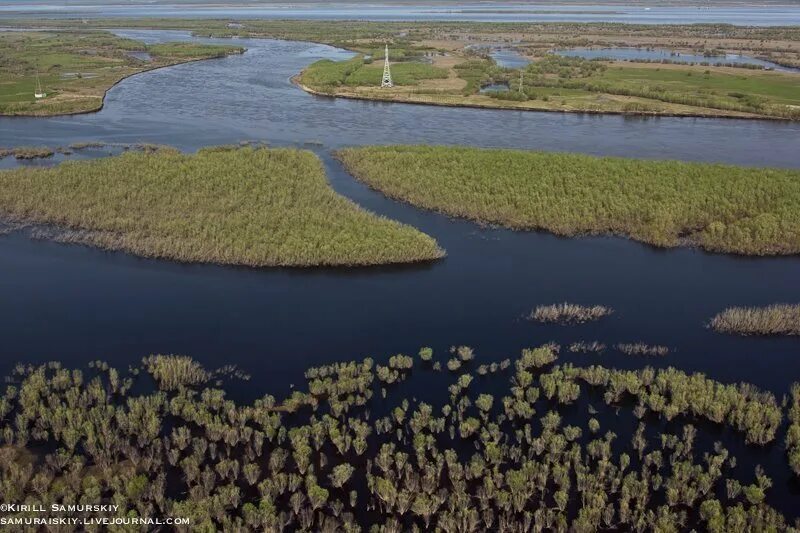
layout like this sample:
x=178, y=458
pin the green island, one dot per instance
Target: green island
x=76, y=68
x=448, y=63
x=242, y=206
x=776, y=319
x=568, y=84
x=719, y=208
x=336, y=457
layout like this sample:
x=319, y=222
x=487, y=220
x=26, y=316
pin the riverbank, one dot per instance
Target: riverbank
x=719, y=208
x=76, y=69
x=237, y=206
x=567, y=84
x=483, y=102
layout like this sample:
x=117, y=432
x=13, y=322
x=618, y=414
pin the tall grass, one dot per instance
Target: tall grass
x=720, y=208
x=777, y=319
x=326, y=75
x=567, y=313
x=641, y=348
x=255, y=207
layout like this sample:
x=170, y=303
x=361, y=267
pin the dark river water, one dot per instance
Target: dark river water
x=77, y=304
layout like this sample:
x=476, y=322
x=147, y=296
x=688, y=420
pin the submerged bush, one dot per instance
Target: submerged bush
x=793, y=433
x=640, y=348
x=173, y=371
x=331, y=459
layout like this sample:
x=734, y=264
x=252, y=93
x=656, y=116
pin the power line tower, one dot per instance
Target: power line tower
x=387, y=73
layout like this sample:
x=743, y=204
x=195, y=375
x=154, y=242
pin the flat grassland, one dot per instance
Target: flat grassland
x=77, y=68
x=555, y=83
x=719, y=208
x=253, y=207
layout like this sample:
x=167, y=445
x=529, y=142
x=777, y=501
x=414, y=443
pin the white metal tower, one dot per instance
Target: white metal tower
x=387, y=73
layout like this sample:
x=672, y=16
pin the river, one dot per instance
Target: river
x=76, y=304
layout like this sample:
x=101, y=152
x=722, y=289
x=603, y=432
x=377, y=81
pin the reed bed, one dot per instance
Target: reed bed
x=248, y=206
x=27, y=152
x=720, y=208
x=567, y=313
x=587, y=347
x=776, y=319
x=640, y=348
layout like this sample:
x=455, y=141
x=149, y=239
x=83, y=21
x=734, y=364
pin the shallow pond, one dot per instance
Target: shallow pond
x=509, y=58
x=639, y=54
x=494, y=87
x=76, y=304
x=141, y=56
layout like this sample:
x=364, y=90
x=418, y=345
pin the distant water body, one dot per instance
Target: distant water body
x=488, y=12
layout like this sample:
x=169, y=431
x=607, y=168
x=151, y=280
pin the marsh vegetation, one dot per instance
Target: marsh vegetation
x=245, y=206
x=720, y=208
x=567, y=313
x=632, y=88
x=331, y=458
x=776, y=319
x=641, y=348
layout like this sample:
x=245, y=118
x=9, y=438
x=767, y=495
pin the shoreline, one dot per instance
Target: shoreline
x=401, y=100
x=105, y=92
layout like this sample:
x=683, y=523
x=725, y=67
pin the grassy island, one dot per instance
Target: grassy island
x=76, y=68
x=243, y=206
x=719, y=208
x=777, y=319
x=162, y=439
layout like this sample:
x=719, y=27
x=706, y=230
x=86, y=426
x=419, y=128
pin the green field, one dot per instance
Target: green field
x=77, y=68
x=402, y=74
x=326, y=75
x=719, y=208
x=742, y=90
x=255, y=207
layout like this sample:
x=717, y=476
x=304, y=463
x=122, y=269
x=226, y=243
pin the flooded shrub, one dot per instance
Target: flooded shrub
x=426, y=354
x=465, y=353
x=587, y=347
x=303, y=463
x=173, y=371
x=793, y=433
